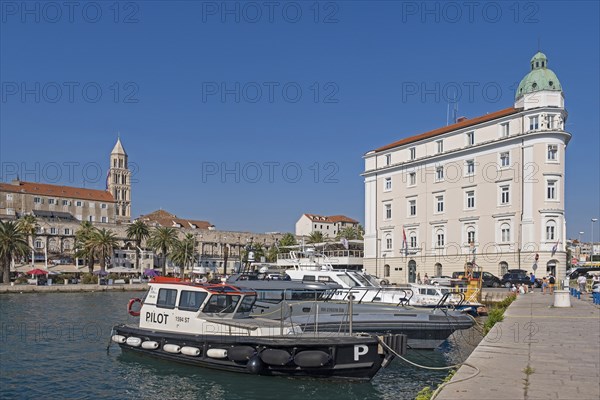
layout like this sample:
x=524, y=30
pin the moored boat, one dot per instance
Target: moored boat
x=210, y=326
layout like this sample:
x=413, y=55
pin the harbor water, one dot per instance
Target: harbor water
x=54, y=345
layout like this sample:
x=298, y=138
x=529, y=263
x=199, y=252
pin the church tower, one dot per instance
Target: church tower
x=119, y=182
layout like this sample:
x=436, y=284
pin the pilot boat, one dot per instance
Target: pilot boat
x=313, y=307
x=210, y=326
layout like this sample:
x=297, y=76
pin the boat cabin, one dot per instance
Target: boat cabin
x=215, y=309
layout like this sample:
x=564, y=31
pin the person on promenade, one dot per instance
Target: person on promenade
x=531, y=281
x=551, y=282
x=544, y=285
x=522, y=289
x=419, y=278
x=582, y=281
x=426, y=279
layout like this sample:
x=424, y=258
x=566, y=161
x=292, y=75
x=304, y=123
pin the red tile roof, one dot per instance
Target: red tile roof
x=165, y=218
x=331, y=219
x=44, y=189
x=445, y=129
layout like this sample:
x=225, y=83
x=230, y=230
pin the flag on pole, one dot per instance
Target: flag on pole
x=344, y=242
x=404, y=242
x=554, y=248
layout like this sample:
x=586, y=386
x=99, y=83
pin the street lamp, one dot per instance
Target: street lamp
x=592, y=244
x=579, y=255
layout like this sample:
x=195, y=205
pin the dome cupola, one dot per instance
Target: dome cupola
x=539, y=78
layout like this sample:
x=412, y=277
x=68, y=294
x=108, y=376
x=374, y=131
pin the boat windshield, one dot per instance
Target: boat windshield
x=221, y=303
x=347, y=280
x=247, y=303
x=361, y=279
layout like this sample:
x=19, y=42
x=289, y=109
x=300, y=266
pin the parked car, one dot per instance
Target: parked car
x=488, y=279
x=441, y=280
x=515, y=278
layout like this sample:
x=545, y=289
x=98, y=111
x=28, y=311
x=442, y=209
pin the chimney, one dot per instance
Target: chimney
x=461, y=119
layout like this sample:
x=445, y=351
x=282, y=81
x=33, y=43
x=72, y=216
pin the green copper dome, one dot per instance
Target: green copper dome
x=539, y=78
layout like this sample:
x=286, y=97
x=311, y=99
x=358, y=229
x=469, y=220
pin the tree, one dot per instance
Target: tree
x=315, y=237
x=183, y=252
x=162, y=240
x=102, y=242
x=288, y=240
x=28, y=225
x=138, y=232
x=82, y=236
x=13, y=243
x=350, y=233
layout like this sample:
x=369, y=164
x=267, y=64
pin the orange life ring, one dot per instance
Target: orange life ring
x=130, y=304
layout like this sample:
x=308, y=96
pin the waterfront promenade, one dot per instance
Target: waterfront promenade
x=537, y=352
x=77, y=288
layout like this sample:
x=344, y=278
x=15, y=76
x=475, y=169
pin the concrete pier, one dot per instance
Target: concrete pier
x=537, y=352
x=72, y=288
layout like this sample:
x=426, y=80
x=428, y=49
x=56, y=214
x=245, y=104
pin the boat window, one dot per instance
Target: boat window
x=309, y=278
x=348, y=282
x=361, y=279
x=166, y=298
x=191, y=301
x=270, y=296
x=247, y=304
x=326, y=279
x=221, y=303
x=431, y=292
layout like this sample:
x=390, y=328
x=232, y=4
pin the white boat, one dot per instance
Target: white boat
x=210, y=326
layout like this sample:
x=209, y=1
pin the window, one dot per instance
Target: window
x=191, y=301
x=388, y=159
x=439, y=174
x=221, y=303
x=66, y=203
x=440, y=238
x=504, y=159
x=67, y=231
x=470, y=138
x=505, y=233
x=552, y=152
x=551, y=230
x=104, y=220
x=550, y=121
x=470, y=167
x=9, y=197
x=388, y=242
x=166, y=298
x=471, y=199
x=91, y=218
x=440, y=146
x=388, y=184
x=51, y=201
x=439, y=203
x=103, y=205
x=37, y=200
x=10, y=211
x=39, y=244
x=412, y=178
x=504, y=132
x=470, y=235
x=413, y=153
x=534, y=123
x=388, y=211
x=413, y=240
x=53, y=231
x=412, y=208
x=504, y=194
x=551, y=190
x=78, y=203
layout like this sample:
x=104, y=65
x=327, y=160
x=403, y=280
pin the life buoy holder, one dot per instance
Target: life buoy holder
x=130, y=310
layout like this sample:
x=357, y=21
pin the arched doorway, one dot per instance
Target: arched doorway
x=551, y=267
x=503, y=268
x=438, y=269
x=386, y=270
x=412, y=271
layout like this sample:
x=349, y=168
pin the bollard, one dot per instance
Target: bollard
x=578, y=294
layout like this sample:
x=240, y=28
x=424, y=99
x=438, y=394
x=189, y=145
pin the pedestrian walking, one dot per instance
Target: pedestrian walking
x=582, y=281
x=531, y=281
x=551, y=282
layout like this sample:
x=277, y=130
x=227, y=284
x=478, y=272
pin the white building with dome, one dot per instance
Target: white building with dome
x=488, y=190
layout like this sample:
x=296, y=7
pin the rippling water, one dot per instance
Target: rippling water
x=55, y=346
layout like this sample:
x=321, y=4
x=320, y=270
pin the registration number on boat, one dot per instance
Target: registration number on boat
x=182, y=319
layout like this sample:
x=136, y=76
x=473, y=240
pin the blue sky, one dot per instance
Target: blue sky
x=250, y=114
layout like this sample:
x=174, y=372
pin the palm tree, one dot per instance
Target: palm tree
x=13, y=243
x=351, y=233
x=82, y=236
x=138, y=231
x=183, y=252
x=162, y=239
x=28, y=225
x=316, y=237
x=102, y=242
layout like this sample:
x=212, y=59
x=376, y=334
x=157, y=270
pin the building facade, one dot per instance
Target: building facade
x=487, y=191
x=119, y=182
x=329, y=226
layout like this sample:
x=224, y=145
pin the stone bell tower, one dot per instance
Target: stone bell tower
x=119, y=182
